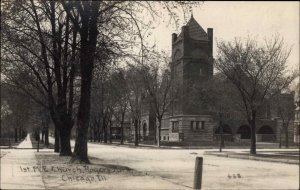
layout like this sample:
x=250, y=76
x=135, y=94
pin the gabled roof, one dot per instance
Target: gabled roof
x=195, y=30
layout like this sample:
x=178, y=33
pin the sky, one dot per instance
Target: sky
x=242, y=19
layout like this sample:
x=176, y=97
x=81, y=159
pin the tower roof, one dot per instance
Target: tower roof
x=195, y=30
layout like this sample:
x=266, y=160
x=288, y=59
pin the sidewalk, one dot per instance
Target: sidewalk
x=26, y=143
x=126, y=144
x=268, y=156
x=16, y=168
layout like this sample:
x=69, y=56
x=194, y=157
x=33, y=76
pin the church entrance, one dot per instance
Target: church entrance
x=227, y=133
x=265, y=134
x=244, y=132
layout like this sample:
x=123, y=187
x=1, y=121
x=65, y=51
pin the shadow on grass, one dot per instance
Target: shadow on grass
x=6, y=143
x=111, y=166
x=53, y=159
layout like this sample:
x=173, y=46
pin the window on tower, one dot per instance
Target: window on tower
x=192, y=125
x=202, y=124
x=197, y=125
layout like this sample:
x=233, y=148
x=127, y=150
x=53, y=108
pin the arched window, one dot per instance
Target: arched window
x=265, y=130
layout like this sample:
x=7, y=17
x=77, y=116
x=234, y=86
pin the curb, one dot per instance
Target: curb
x=286, y=161
x=132, y=146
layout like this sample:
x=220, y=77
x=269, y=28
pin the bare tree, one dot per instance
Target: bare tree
x=39, y=36
x=157, y=82
x=118, y=94
x=257, y=71
x=286, y=112
x=134, y=98
x=222, y=101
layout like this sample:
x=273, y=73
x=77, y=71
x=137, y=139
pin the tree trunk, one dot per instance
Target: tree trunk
x=221, y=132
x=104, y=132
x=122, y=128
x=136, y=128
x=159, y=131
x=253, y=134
x=221, y=135
x=99, y=124
x=280, y=132
x=91, y=136
x=43, y=133
x=139, y=131
x=9, y=141
x=47, y=137
x=65, y=136
x=287, y=136
x=158, y=136
x=38, y=139
x=56, y=142
x=16, y=134
x=88, y=41
x=80, y=151
x=155, y=136
x=101, y=114
x=86, y=68
x=110, y=132
x=24, y=134
x=99, y=136
x=95, y=135
x=95, y=132
x=35, y=135
x=20, y=133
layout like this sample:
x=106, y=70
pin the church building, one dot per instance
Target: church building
x=187, y=120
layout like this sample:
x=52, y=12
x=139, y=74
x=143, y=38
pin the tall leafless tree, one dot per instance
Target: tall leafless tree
x=157, y=82
x=286, y=112
x=39, y=36
x=257, y=71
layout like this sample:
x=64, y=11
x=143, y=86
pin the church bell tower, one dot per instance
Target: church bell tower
x=191, y=66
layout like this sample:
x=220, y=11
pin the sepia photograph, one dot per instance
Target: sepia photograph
x=150, y=95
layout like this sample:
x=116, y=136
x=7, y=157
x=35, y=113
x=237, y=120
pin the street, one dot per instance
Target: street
x=177, y=166
x=143, y=168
